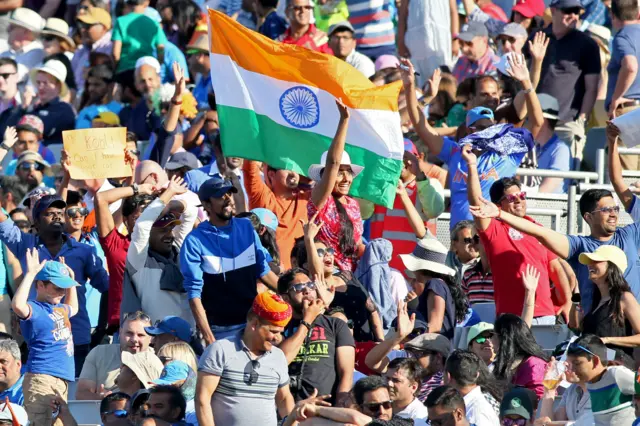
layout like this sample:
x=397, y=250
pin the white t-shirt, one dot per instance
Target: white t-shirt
x=416, y=411
x=479, y=411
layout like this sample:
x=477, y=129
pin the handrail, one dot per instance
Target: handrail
x=629, y=151
x=558, y=173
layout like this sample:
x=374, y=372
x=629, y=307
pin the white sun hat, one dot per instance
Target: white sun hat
x=55, y=68
x=59, y=28
x=26, y=18
x=429, y=255
x=315, y=169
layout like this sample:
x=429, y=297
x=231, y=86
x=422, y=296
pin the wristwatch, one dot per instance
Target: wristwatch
x=5, y=146
x=135, y=189
x=576, y=298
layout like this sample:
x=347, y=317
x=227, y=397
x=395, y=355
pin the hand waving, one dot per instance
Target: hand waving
x=342, y=109
x=33, y=262
x=486, y=211
x=517, y=67
x=178, y=75
x=406, y=323
x=177, y=186
x=10, y=136
x=433, y=84
x=538, y=47
x=311, y=228
x=530, y=278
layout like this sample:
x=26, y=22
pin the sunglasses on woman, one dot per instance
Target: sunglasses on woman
x=72, y=212
x=512, y=198
x=329, y=251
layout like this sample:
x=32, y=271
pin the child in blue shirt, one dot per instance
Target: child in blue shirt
x=46, y=327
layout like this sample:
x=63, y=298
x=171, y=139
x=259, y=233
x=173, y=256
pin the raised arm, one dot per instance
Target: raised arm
x=615, y=167
x=377, y=359
x=415, y=221
x=537, y=48
x=518, y=70
x=104, y=218
x=173, y=115
x=427, y=133
x=403, y=14
x=322, y=190
x=311, y=229
x=554, y=241
x=474, y=191
x=10, y=138
x=530, y=279
x=291, y=345
x=19, y=304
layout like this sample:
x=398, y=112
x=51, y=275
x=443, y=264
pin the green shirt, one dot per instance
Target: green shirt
x=140, y=35
x=612, y=397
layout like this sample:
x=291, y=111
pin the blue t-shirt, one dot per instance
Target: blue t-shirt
x=14, y=393
x=627, y=238
x=202, y=90
x=172, y=53
x=555, y=155
x=491, y=167
x=88, y=113
x=47, y=332
x=626, y=42
x=274, y=26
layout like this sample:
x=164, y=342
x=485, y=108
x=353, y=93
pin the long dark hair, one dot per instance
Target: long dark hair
x=460, y=300
x=516, y=341
x=347, y=243
x=617, y=286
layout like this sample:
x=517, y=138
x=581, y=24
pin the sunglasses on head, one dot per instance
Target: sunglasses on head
x=514, y=422
x=512, y=198
x=136, y=316
x=472, y=240
x=374, y=407
x=6, y=75
x=72, y=212
x=329, y=251
x=608, y=210
x=121, y=414
x=27, y=165
x=574, y=347
x=299, y=288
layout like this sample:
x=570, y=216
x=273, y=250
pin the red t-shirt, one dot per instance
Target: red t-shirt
x=495, y=11
x=509, y=252
x=115, y=246
x=313, y=39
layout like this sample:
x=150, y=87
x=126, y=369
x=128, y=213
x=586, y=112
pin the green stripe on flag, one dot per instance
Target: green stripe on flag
x=257, y=137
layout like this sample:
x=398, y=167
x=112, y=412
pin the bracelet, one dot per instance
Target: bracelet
x=5, y=146
x=306, y=324
x=527, y=91
x=174, y=102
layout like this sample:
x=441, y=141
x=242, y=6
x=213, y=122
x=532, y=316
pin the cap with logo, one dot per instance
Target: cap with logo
x=517, y=402
x=173, y=325
x=216, y=187
x=56, y=273
x=168, y=219
x=472, y=30
x=46, y=202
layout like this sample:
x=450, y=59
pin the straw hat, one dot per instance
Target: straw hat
x=145, y=365
x=606, y=253
x=315, y=169
x=26, y=18
x=59, y=28
x=429, y=255
x=55, y=68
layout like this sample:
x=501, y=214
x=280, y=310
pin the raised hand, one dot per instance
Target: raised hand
x=33, y=262
x=10, y=136
x=178, y=75
x=406, y=323
x=177, y=185
x=468, y=156
x=407, y=72
x=311, y=228
x=538, y=47
x=400, y=188
x=518, y=67
x=530, y=278
x=342, y=109
x=485, y=211
x=326, y=292
x=434, y=84
x=147, y=189
x=71, y=273
x=65, y=162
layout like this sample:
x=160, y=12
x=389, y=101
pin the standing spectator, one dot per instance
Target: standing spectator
x=170, y=329
x=623, y=91
x=48, y=217
x=9, y=94
x=373, y=23
x=102, y=367
x=464, y=252
x=312, y=332
x=425, y=34
x=551, y=152
x=482, y=341
x=221, y=397
x=113, y=408
x=343, y=44
x=198, y=60
x=273, y=25
x=46, y=328
x=445, y=404
x=11, y=378
x=477, y=281
x=97, y=96
x=95, y=34
x=301, y=31
x=135, y=35
x=570, y=62
x=22, y=45
x=404, y=377
x=477, y=57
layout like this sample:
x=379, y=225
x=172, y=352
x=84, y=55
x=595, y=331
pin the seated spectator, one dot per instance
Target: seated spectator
x=343, y=44
x=31, y=169
x=477, y=57
x=97, y=96
x=615, y=316
x=166, y=403
x=113, y=408
x=94, y=27
x=517, y=408
x=301, y=31
x=23, y=45
x=9, y=94
x=477, y=281
x=102, y=366
x=575, y=404
x=482, y=341
x=59, y=46
x=140, y=118
x=431, y=350
x=587, y=357
x=178, y=351
x=137, y=371
x=511, y=39
x=404, y=378
x=463, y=253
x=551, y=152
x=181, y=376
x=11, y=378
x=516, y=342
x=170, y=329
x=446, y=406
x=273, y=25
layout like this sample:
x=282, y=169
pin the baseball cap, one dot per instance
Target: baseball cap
x=267, y=218
x=550, y=106
x=45, y=202
x=341, y=26
x=173, y=325
x=409, y=146
x=165, y=220
x=517, y=401
x=182, y=159
x=529, y=8
x=605, y=253
x=566, y=4
x=31, y=123
x=96, y=15
x=431, y=342
x=172, y=372
x=18, y=411
x=472, y=30
x=386, y=61
x=478, y=113
x=215, y=187
x=57, y=273
x=477, y=330
x=514, y=30
x=145, y=365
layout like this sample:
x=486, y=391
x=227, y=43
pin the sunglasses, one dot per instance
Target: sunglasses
x=514, y=422
x=417, y=354
x=22, y=224
x=482, y=339
x=252, y=376
x=299, y=288
x=121, y=414
x=608, y=210
x=574, y=347
x=572, y=11
x=6, y=75
x=512, y=198
x=472, y=240
x=136, y=316
x=374, y=407
x=29, y=166
x=329, y=251
x=72, y=212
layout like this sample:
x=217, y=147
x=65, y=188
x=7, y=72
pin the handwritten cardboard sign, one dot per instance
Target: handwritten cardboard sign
x=97, y=153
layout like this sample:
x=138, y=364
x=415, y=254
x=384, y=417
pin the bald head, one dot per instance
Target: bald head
x=150, y=172
x=147, y=79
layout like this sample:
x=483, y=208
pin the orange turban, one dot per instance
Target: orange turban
x=270, y=307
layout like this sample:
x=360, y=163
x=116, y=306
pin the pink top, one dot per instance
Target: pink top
x=530, y=374
x=331, y=231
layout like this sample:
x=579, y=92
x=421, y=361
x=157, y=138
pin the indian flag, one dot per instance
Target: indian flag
x=276, y=103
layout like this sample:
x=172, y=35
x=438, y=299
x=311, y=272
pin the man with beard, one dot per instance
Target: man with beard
x=141, y=118
x=31, y=169
x=223, y=263
x=97, y=97
x=320, y=349
x=52, y=244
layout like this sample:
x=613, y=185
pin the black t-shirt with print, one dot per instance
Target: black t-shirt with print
x=318, y=354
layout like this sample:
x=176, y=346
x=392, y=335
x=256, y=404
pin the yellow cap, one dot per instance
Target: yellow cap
x=606, y=253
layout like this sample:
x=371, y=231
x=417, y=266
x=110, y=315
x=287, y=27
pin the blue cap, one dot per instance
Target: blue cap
x=172, y=372
x=175, y=326
x=57, y=273
x=566, y=4
x=478, y=113
x=45, y=202
x=267, y=218
x=216, y=187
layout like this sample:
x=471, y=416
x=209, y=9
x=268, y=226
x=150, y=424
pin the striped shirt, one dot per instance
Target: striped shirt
x=612, y=397
x=478, y=285
x=248, y=386
x=466, y=68
x=430, y=384
x=372, y=21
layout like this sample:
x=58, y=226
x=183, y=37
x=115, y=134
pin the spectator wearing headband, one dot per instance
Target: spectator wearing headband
x=95, y=34
x=223, y=397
